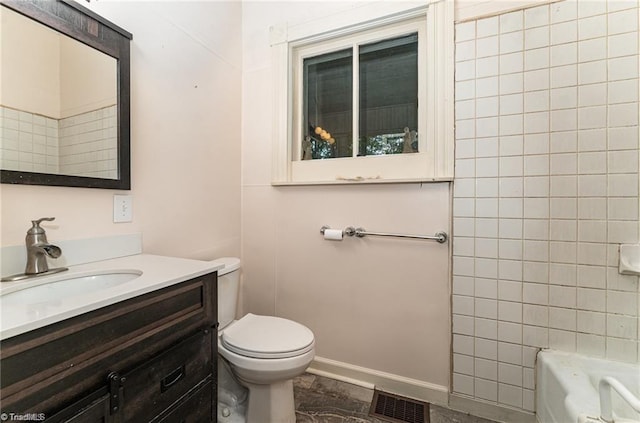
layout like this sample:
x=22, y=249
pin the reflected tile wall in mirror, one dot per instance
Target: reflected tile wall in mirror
x=81, y=145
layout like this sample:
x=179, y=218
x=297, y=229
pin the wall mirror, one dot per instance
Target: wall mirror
x=64, y=102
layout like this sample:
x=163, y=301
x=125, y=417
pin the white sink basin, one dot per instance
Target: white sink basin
x=71, y=286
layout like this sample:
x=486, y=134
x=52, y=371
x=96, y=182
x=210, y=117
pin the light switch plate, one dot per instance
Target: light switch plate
x=122, y=208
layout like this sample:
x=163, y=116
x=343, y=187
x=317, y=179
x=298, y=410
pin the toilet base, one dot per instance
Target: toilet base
x=232, y=396
x=271, y=403
x=228, y=410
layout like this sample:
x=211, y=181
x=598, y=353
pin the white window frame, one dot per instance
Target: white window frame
x=291, y=43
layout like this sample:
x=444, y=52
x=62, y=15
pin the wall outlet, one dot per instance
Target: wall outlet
x=122, y=208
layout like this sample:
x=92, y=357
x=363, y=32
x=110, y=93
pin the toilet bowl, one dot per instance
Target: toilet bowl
x=264, y=353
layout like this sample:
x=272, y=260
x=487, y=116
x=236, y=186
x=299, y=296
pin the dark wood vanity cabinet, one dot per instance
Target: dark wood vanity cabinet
x=151, y=358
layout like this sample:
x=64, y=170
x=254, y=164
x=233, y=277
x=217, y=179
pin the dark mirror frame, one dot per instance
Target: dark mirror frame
x=84, y=25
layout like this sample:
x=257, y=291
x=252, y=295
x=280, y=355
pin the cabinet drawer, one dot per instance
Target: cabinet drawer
x=197, y=408
x=157, y=384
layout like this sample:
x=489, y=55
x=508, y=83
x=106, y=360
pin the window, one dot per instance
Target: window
x=381, y=78
x=368, y=102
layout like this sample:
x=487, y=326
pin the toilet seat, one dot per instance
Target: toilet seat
x=267, y=337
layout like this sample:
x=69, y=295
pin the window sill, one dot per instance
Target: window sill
x=363, y=182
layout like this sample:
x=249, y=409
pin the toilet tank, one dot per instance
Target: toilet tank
x=228, y=289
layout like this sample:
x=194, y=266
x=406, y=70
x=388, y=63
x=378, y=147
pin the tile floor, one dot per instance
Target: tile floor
x=324, y=400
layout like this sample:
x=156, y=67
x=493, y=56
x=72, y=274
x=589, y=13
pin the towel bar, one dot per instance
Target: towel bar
x=441, y=237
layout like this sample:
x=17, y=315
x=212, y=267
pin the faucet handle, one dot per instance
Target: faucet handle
x=36, y=229
x=37, y=222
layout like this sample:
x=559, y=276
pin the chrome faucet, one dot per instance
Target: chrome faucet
x=38, y=248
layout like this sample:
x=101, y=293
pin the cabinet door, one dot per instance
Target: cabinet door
x=94, y=408
x=157, y=384
x=97, y=412
x=196, y=408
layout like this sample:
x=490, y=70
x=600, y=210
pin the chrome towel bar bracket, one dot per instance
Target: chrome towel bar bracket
x=441, y=237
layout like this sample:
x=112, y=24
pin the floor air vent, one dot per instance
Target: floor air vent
x=398, y=409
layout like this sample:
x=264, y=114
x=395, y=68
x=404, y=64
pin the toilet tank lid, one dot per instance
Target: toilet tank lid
x=230, y=264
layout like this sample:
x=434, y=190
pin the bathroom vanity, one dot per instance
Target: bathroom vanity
x=144, y=350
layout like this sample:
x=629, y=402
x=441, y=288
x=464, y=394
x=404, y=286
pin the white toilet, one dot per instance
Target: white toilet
x=264, y=353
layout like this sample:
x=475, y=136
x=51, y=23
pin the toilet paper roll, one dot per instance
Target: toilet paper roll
x=333, y=234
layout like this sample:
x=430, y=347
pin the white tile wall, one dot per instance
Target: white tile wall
x=546, y=188
x=82, y=145
x=29, y=142
x=88, y=144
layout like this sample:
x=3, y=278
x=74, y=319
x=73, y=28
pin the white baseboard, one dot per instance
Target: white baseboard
x=416, y=389
x=369, y=378
x=489, y=410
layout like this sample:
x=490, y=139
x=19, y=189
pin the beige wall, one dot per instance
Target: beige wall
x=371, y=302
x=185, y=125
x=59, y=77
x=381, y=304
x=25, y=86
x=88, y=78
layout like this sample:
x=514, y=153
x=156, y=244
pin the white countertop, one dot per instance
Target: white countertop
x=157, y=272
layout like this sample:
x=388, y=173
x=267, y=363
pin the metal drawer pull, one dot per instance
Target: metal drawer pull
x=172, y=378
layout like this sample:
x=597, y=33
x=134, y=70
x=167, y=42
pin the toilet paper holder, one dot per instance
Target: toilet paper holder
x=441, y=236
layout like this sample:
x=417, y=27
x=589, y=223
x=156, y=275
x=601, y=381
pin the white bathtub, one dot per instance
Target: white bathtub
x=567, y=388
